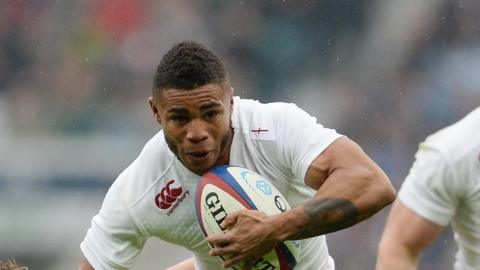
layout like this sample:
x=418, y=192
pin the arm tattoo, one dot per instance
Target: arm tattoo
x=328, y=215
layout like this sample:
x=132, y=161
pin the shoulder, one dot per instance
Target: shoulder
x=458, y=142
x=252, y=116
x=448, y=160
x=250, y=106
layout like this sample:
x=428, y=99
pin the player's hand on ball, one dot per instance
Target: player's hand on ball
x=250, y=236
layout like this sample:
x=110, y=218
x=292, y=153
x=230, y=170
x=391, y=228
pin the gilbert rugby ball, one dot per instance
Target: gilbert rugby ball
x=226, y=189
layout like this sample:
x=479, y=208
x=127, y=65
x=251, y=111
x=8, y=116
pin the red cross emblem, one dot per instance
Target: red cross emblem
x=257, y=131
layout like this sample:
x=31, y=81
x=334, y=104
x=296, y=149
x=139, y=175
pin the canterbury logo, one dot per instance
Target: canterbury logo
x=168, y=195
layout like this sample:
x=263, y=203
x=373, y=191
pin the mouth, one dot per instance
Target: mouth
x=199, y=156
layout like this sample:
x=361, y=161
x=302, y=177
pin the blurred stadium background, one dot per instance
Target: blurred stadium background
x=75, y=76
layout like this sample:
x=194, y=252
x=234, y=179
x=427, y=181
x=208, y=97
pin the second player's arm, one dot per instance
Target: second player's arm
x=406, y=235
x=85, y=265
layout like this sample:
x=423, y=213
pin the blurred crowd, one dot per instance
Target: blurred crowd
x=385, y=73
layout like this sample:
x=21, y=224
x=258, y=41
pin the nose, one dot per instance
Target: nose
x=196, y=131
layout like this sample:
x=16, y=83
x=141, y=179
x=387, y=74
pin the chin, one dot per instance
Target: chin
x=200, y=167
x=200, y=170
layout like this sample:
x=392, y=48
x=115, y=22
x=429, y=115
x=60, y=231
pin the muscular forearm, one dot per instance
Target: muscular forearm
x=323, y=214
x=318, y=216
x=328, y=215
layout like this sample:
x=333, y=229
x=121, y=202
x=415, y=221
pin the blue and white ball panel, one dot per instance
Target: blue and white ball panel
x=259, y=189
x=226, y=189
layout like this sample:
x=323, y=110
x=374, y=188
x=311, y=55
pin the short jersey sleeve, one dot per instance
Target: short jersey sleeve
x=430, y=189
x=302, y=139
x=113, y=240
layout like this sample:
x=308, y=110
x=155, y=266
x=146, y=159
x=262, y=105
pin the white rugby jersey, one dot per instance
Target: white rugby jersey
x=154, y=196
x=444, y=184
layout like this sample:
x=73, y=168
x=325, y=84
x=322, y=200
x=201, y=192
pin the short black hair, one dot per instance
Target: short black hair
x=188, y=65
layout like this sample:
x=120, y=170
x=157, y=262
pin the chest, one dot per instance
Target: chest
x=264, y=157
x=170, y=214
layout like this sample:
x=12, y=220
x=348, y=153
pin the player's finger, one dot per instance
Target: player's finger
x=233, y=260
x=219, y=240
x=219, y=250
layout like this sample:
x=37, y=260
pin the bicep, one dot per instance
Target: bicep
x=342, y=153
x=408, y=230
x=346, y=161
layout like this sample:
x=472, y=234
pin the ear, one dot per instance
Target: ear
x=155, y=110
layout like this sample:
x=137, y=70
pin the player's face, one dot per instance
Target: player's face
x=196, y=124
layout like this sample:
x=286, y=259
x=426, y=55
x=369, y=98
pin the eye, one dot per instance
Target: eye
x=211, y=114
x=179, y=119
